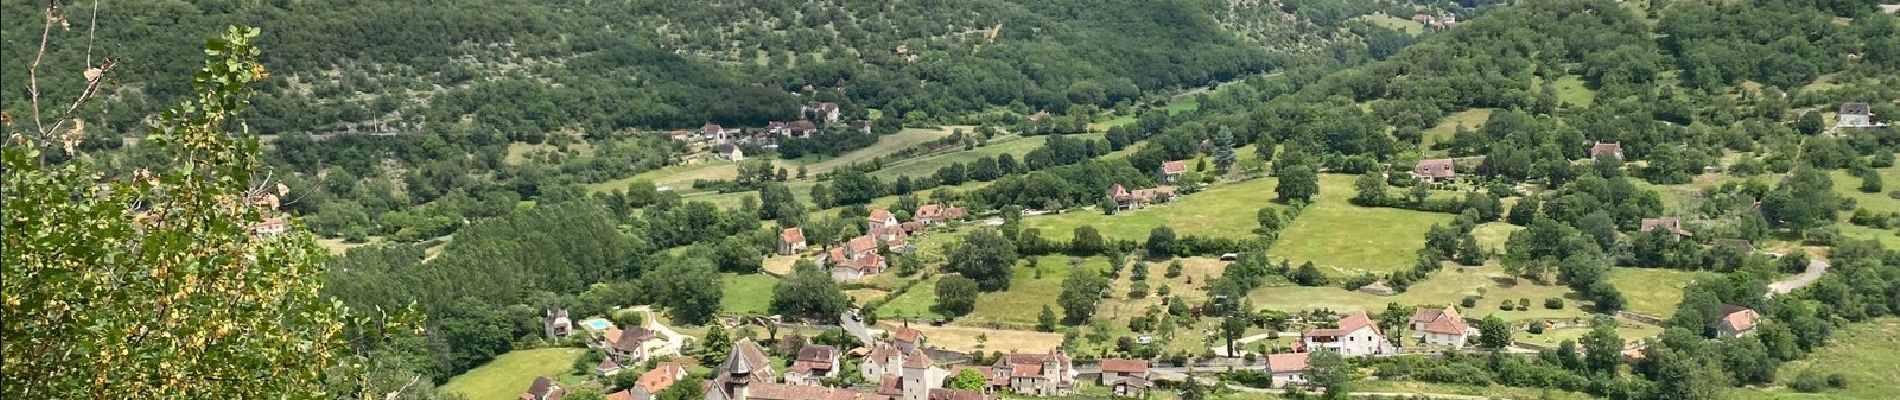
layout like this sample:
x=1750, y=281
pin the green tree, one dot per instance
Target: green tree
x=163, y=293
x=1087, y=240
x=1297, y=183
x=1331, y=371
x=1810, y=123
x=714, y=347
x=967, y=379
x=956, y=295
x=985, y=256
x=1223, y=150
x=1494, y=333
x=1160, y=242
x=1369, y=189
x=690, y=288
x=1602, y=348
x=1080, y=293
x=809, y=292
x=1046, y=321
x=1420, y=191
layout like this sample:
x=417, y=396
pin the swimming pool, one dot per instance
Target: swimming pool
x=598, y=324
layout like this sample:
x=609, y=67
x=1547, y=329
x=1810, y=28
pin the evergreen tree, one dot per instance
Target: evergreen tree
x=1223, y=150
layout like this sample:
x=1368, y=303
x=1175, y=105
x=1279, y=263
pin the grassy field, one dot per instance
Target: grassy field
x=1868, y=354
x=1225, y=210
x=1570, y=90
x=1470, y=119
x=884, y=147
x=928, y=165
x=1487, y=391
x=1019, y=306
x=1849, y=186
x=915, y=303
x=1493, y=235
x=1654, y=291
x=1629, y=331
x=1886, y=237
x=678, y=177
x=1445, y=287
x=1344, y=239
x=1395, y=23
x=510, y=374
x=518, y=151
x=749, y=294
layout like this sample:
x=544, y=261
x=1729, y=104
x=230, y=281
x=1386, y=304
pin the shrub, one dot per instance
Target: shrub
x=1537, y=328
x=1554, y=303
x=1523, y=303
x=1809, y=382
x=1836, y=381
x=1469, y=302
x=1506, y=305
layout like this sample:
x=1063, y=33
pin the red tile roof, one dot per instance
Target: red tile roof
x=1435, y=168
x=791, y=235
x=1286, y=362
x=1125, y=366
x=661, y=377
x=1612, y=148
x=1739, y=320
x=1346, y=325
x=1444, y=321
x=879, y=215
x=1174, y=167
x=907, y=335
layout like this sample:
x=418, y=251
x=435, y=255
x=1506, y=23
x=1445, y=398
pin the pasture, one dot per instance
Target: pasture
x=1223, y=210
x=1344, y=239
x=509, y=374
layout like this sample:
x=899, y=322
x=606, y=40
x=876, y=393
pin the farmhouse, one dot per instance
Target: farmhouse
x=713, y=132
x=821, y=110
x=1355, y=336
x=1124, y=376
x=1435, y=170
x=1736, y=322
x=855, y=259
x=557, y=324
x=1671, y=224
x=270, y=226
x=1854, y=115
x=1127, y=200
x=1048, y=374
x=1440, y=327
x=729, y=152
x=1611, y=148
x=791, y=241
x=880, y=218
x=627, y=347
x=813, y=365
x=802, y=129
x=907, y=339
x=1171, y=171
x=543, y=388
x=1287, y=368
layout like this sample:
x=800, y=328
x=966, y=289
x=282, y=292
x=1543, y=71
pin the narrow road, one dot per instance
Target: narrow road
x=855, y=326
x=1815, y=269
x=674, y=340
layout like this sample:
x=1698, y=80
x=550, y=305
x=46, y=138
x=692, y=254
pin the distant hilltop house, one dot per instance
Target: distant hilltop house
x=1355, y=336
x=1672, y=224
x=1855, y=115
x=791, y=241
x=1736, y=321
x=1435, y=170
x=1441, y=22
x=1610, y=148
x=1440, y=327
x=1129, y=200
x=1287, y=368
x=1171, y=171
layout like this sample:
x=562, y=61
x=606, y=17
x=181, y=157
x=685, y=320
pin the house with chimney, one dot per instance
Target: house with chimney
x=1854, y=115
x=1435, y=170
x=907, y=339
x=813, y=364
x=1171, y=171
x=1287, y=369
x=1037, y=374
x=1440, y=327
x=1354, y=336
x=791, y=241
x=543, y=388
x=1673, y=225
x=556, y=324
x=1614, y=149
x=1128, y=200
x=1736, y=321
x=855, y=259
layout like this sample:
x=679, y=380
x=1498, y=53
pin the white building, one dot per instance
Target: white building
x=1440, y=327
x=1356, y=336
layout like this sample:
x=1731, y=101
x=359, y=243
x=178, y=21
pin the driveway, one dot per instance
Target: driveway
x=1815, y=269
x=674, y=340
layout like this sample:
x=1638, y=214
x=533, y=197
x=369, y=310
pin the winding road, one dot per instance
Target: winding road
x=1815, y=269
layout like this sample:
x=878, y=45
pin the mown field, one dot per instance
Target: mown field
x=1223, y=210
x=1867, y=354
x=508, y=375
x=1344, y=240
x=928, y=165
x=748, y=294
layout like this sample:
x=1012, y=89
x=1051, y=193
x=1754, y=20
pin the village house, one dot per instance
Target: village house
x=791, y=241
x=821, y=110
x=1440, y=327
x=855, y=259
x=907, y=339
x=633, y=393
x=1287, y=368
x=1671, y=224
x=1125, y=377
x=1171, y=171
x=1611, y=148
x=802, y=129
x=1046, y=374
x=663, y=376
x=891, y=236
x=713, y=133
x=911, y=228
x=1435, y=170
x=608, y=367
x=543, y=388
x=270, y=226
x=1854, y=115
x=861, y=126
x=938, y=214
x=1355, y=336
x=1736, y=322
x=557, y=324
x=747, y=375
x=813, y=365
x=729, y=152
x=879, y=218
x=627, y=347
x=1129, y=200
